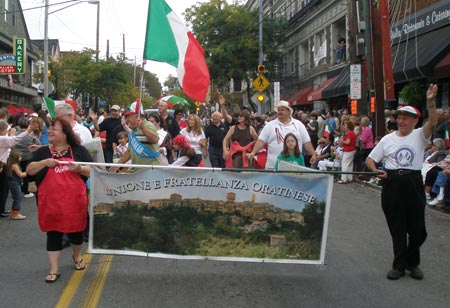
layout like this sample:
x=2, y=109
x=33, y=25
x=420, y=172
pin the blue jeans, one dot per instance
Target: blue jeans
x=340, y=54
x=16, y=192
x=441, y=180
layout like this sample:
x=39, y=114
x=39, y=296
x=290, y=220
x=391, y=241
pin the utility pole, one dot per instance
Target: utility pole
x=46, y=50
x=261, y=57
x=380, y=125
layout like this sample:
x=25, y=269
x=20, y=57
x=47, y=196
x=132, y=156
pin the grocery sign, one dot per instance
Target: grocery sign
x=15, y=63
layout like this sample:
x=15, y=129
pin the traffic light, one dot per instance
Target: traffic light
x=260, y=98
x=261, y=69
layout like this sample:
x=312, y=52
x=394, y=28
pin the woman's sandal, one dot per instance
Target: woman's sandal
x=53, y=277
x=80, y=265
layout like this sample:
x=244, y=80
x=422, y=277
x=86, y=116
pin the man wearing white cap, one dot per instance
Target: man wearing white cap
x=143, y=148
x=112, y=125
x=402, y=195
x=274, y=132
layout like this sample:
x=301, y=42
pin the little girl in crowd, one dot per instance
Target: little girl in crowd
x=121, y=148
x=15, y=176
x=291, y=152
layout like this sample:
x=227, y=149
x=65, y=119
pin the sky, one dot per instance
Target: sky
x=120, y=21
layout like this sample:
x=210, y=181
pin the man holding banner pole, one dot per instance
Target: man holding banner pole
x=143, y=148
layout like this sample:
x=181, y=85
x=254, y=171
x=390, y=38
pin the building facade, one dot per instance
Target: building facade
x=16, y=88
x=312, y=76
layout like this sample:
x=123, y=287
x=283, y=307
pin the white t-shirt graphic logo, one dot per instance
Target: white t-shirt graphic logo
x=404, y=157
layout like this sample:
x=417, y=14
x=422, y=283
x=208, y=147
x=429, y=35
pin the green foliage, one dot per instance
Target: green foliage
x=229, y=36
x=313, y=214
x=79, y=75
x=414, y=93
x=186, y=231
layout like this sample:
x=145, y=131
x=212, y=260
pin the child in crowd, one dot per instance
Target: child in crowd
x=121, y=148
x=15, y=176
x=186, y=154
x=291, y=152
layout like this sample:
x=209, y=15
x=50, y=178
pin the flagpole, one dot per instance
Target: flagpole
x=142, y=86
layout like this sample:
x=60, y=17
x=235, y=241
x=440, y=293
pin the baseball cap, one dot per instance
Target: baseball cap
x=409, y=110
x=134, y=108
x=115, y=107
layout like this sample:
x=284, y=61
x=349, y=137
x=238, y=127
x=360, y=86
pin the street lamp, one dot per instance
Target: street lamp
x=97, y=2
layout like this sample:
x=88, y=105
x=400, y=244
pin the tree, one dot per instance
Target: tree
x=229, y=36
x=313, y=214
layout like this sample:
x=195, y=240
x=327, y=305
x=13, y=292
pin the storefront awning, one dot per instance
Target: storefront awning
x=442, y=69
x=416, y=58
x=341, y=86
x=301, y=97
x=317, y=94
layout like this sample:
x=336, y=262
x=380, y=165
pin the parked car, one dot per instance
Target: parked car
x=148, y=111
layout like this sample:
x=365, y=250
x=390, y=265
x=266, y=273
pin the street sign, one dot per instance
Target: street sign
x=260, y=83
x=355, y=90
x=355, y=72
x=276, y=92
x=355, y=81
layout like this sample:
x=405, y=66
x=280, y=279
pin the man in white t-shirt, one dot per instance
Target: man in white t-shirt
x=403, y=195
x=65, y=111
x=274, y=132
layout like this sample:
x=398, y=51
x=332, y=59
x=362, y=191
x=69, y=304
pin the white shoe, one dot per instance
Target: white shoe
x=29, y=195
x=427, y=196
x=18, y=217
x=372, y=181
x=436, y=201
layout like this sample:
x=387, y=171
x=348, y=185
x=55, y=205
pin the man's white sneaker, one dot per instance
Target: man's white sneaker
x=29, y=195
x=436, y=201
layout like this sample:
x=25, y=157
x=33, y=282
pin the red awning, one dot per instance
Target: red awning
x=442, y=69
x=301, y=97
x=13, y=109
x=25, y=110
x=317, y=93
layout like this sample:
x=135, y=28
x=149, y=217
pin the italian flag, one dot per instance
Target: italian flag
x=168, y=40
x=328, y=130
x=447, y=138
x=50, y=106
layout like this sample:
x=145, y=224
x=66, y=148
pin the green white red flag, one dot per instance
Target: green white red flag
x=447, y=138
x=168, y=40
x=328, y=130
x=50, y=106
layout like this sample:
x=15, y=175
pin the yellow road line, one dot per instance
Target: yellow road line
x=95, y=287
x=73, y=284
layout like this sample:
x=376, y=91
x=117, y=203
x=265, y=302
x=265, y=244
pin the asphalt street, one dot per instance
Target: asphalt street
x=358, y=256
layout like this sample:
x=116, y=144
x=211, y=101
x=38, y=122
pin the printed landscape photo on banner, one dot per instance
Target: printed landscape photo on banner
x=200, y=213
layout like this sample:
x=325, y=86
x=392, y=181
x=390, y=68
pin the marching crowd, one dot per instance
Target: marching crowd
x=51, y=152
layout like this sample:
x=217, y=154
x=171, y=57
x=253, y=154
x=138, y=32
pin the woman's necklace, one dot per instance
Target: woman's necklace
x=59, y=153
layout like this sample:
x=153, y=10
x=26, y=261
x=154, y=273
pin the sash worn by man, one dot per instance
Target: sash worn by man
x=143, y=148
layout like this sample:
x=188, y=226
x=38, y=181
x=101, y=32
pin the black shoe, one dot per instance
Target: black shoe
x=4, y=214
x=395, y=274
x=415, y=273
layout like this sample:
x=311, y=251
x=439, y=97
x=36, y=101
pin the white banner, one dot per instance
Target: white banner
x=203, y=213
